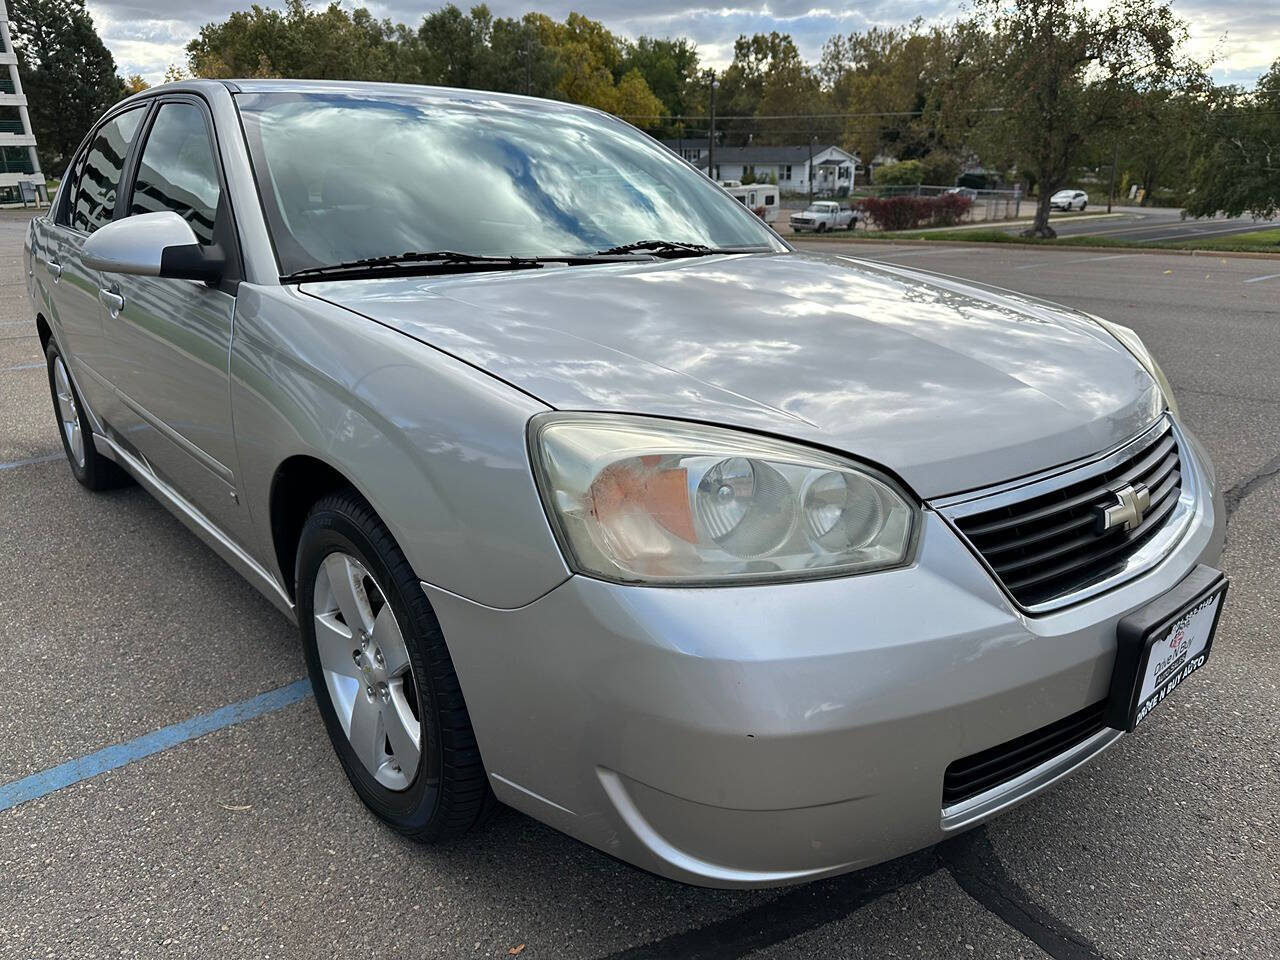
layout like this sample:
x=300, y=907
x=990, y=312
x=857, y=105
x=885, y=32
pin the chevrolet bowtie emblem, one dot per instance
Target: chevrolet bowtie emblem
x=1132, y=501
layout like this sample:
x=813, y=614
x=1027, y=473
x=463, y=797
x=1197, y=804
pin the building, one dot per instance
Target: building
x=833, y=170
x=20, y=176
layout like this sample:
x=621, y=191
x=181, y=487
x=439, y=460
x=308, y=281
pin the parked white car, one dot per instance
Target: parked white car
x=1069, y=200
x=823, y=215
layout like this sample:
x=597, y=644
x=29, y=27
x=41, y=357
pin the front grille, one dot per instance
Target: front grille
x=981, y=772
x=1048, y=545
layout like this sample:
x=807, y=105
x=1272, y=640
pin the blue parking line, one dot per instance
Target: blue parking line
x=22, y=366
x=73, y=771
x=12, y=464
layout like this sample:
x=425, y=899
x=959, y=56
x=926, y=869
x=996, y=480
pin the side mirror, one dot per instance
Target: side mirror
x=153, y=245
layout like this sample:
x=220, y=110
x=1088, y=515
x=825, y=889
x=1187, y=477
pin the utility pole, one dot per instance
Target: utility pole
x=711, y=138
x=1115, y=153
x=810, y=171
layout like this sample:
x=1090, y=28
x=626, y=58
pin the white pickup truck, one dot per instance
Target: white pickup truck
x=823, y=215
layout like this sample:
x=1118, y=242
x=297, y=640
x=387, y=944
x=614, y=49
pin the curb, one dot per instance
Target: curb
x=1151, y=251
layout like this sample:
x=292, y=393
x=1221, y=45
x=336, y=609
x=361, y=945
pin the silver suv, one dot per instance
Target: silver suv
x=590, y=495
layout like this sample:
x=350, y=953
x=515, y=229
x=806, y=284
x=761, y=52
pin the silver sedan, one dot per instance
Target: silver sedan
x=593, y=497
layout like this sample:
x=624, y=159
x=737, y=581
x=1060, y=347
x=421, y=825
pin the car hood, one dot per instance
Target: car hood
x=949, y=385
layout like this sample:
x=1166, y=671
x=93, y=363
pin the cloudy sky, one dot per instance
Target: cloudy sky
x=145, y=36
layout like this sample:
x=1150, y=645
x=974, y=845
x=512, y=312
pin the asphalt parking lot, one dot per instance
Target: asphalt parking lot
x=247, y=841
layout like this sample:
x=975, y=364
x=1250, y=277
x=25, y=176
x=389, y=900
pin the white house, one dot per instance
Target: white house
x=833, y=169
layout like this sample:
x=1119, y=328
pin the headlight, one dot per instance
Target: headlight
x=1133, y=343
x=642, y=500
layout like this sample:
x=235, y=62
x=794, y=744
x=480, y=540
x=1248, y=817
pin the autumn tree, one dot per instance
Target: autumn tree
x=1063, y=72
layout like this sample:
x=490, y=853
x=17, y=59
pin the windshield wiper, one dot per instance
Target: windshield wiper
x=671, y=249
x=435, y=261
x=660, y=248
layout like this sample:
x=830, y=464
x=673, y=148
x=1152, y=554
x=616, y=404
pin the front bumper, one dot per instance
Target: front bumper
x=755, y=736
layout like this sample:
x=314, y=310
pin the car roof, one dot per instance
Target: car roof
x=477, y=98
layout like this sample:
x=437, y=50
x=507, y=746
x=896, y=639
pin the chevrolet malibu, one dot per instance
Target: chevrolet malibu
x=593, y=497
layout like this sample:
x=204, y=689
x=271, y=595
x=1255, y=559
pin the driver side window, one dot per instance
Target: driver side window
x=178, y=171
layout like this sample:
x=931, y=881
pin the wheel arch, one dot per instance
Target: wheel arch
x=299, y=481
x=44, y=330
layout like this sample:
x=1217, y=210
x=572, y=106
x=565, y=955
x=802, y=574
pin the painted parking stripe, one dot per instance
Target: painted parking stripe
x=1269, y=276
x=14, y=464
x=21, y=366
x=1040, y=265
x=110, y=758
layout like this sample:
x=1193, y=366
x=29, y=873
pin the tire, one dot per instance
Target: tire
x=1083, y=204
x=822, y=228
x=448, y=794
x=94, y=471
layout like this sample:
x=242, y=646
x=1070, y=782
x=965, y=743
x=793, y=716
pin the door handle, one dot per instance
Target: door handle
x=113, y=301
x=55, y=268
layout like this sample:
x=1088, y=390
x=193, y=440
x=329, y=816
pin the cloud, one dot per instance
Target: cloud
x=145, y=36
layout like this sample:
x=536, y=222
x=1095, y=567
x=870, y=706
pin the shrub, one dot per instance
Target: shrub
x=939, y=168
x=897, y=174
x=908, y=213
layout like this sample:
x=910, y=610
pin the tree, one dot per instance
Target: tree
x=134, y=83
x=69, y=76
x=906, y=173
x=912, y=85
x=669, y=68
x=326, y=44
x=768, y=78
x=1237, y=169
x=1063, y=74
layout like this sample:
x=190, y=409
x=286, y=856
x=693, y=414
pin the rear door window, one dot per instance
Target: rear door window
x=98, y=175
x=178, y=171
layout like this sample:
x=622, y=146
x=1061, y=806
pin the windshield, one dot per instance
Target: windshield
x=351, y=176
x=817, y=208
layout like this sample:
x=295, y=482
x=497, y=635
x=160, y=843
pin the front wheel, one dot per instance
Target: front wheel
x=822, y=228
x=1083, y=204
x=382, y=676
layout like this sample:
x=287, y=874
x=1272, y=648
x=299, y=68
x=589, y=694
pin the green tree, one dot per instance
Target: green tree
x=908, y=172
x=1063, y=73
x=1237, y=167
x=669, y=68
x=326, y=44
x=68, y=75
x=910, y=88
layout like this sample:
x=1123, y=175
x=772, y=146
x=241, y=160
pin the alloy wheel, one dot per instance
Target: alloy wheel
x=367, y=670
x=68, y=415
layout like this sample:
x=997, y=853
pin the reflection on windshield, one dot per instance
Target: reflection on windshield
x=349, y=176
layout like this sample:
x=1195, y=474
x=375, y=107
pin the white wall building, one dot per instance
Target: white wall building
x=19, y=163
x=833, y=171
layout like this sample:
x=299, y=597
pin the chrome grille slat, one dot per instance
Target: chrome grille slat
x=1087, y=540
x=1046, y=546
x=1083, y=497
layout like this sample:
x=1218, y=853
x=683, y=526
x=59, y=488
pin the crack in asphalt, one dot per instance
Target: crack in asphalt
x=789, y=915
x=973, y=863
x=1236, y=493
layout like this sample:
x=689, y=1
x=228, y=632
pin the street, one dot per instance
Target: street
x=1140, y=225
x=247, y=841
